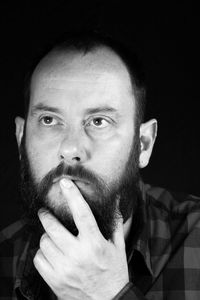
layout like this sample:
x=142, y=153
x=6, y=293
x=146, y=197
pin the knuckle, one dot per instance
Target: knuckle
x=62, y=277
x=50, y=225
x=83, y=217
x=43, y=241
x=36, y=258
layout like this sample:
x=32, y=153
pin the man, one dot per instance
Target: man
x=92, y=229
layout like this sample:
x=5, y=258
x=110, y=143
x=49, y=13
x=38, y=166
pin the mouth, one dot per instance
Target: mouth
x=76, y=180
x=85, y=187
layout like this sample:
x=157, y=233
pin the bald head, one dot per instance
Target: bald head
x=101, y=58
x=98, y=67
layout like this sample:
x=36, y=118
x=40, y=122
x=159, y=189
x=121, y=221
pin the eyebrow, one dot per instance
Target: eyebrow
x=100, y=109
x=42, y=107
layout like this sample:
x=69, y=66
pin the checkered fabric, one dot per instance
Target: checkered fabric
x=164, y=262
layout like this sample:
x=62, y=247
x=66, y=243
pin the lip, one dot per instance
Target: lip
x=75, y=179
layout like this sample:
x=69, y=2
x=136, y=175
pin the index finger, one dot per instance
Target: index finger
x=81, y=212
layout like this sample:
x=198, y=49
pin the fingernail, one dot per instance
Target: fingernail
x=42, y=211
x=65, y=183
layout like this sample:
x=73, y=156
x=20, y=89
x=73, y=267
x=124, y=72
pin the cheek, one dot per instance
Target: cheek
x=41, y=158
x=111, y=157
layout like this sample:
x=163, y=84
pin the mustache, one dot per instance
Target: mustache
x=78, y=172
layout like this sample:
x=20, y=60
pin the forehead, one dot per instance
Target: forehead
x=96, y=76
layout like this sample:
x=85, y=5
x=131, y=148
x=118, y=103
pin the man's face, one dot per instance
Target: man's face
x=80, y=124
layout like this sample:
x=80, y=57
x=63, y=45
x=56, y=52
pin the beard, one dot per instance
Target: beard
x=108, y=202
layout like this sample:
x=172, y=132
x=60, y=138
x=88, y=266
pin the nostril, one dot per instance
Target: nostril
x=70, y=159
x=77, y=158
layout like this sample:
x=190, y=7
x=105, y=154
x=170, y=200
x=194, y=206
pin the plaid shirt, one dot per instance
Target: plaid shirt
x=164, y=262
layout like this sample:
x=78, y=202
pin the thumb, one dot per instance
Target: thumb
x=118, y=234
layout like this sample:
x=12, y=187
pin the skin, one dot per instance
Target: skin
x=82, y=112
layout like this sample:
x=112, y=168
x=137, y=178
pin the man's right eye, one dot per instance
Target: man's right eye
x=48, y=121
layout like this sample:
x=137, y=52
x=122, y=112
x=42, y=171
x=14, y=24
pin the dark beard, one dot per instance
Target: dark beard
x=103, y=203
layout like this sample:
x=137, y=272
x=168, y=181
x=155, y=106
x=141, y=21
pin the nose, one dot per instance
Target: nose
x=72, y=149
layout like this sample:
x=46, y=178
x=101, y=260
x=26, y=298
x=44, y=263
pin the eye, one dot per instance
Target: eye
x=48, y=121
x=99, y=122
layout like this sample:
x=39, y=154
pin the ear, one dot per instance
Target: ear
x=148, y=133
x=19, y=122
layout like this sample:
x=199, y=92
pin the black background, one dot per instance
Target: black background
x=166, y=37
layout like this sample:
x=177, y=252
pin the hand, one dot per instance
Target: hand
x=83, y=267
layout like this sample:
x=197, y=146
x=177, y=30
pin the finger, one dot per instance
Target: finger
x=81, y=212
x=55, y=230
x=118, y=234
x=50, y=251
x=42, y=264
x=44, y=268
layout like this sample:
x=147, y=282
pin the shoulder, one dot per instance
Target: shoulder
x=172, y=202
x=172, y=214
x=173, y=226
